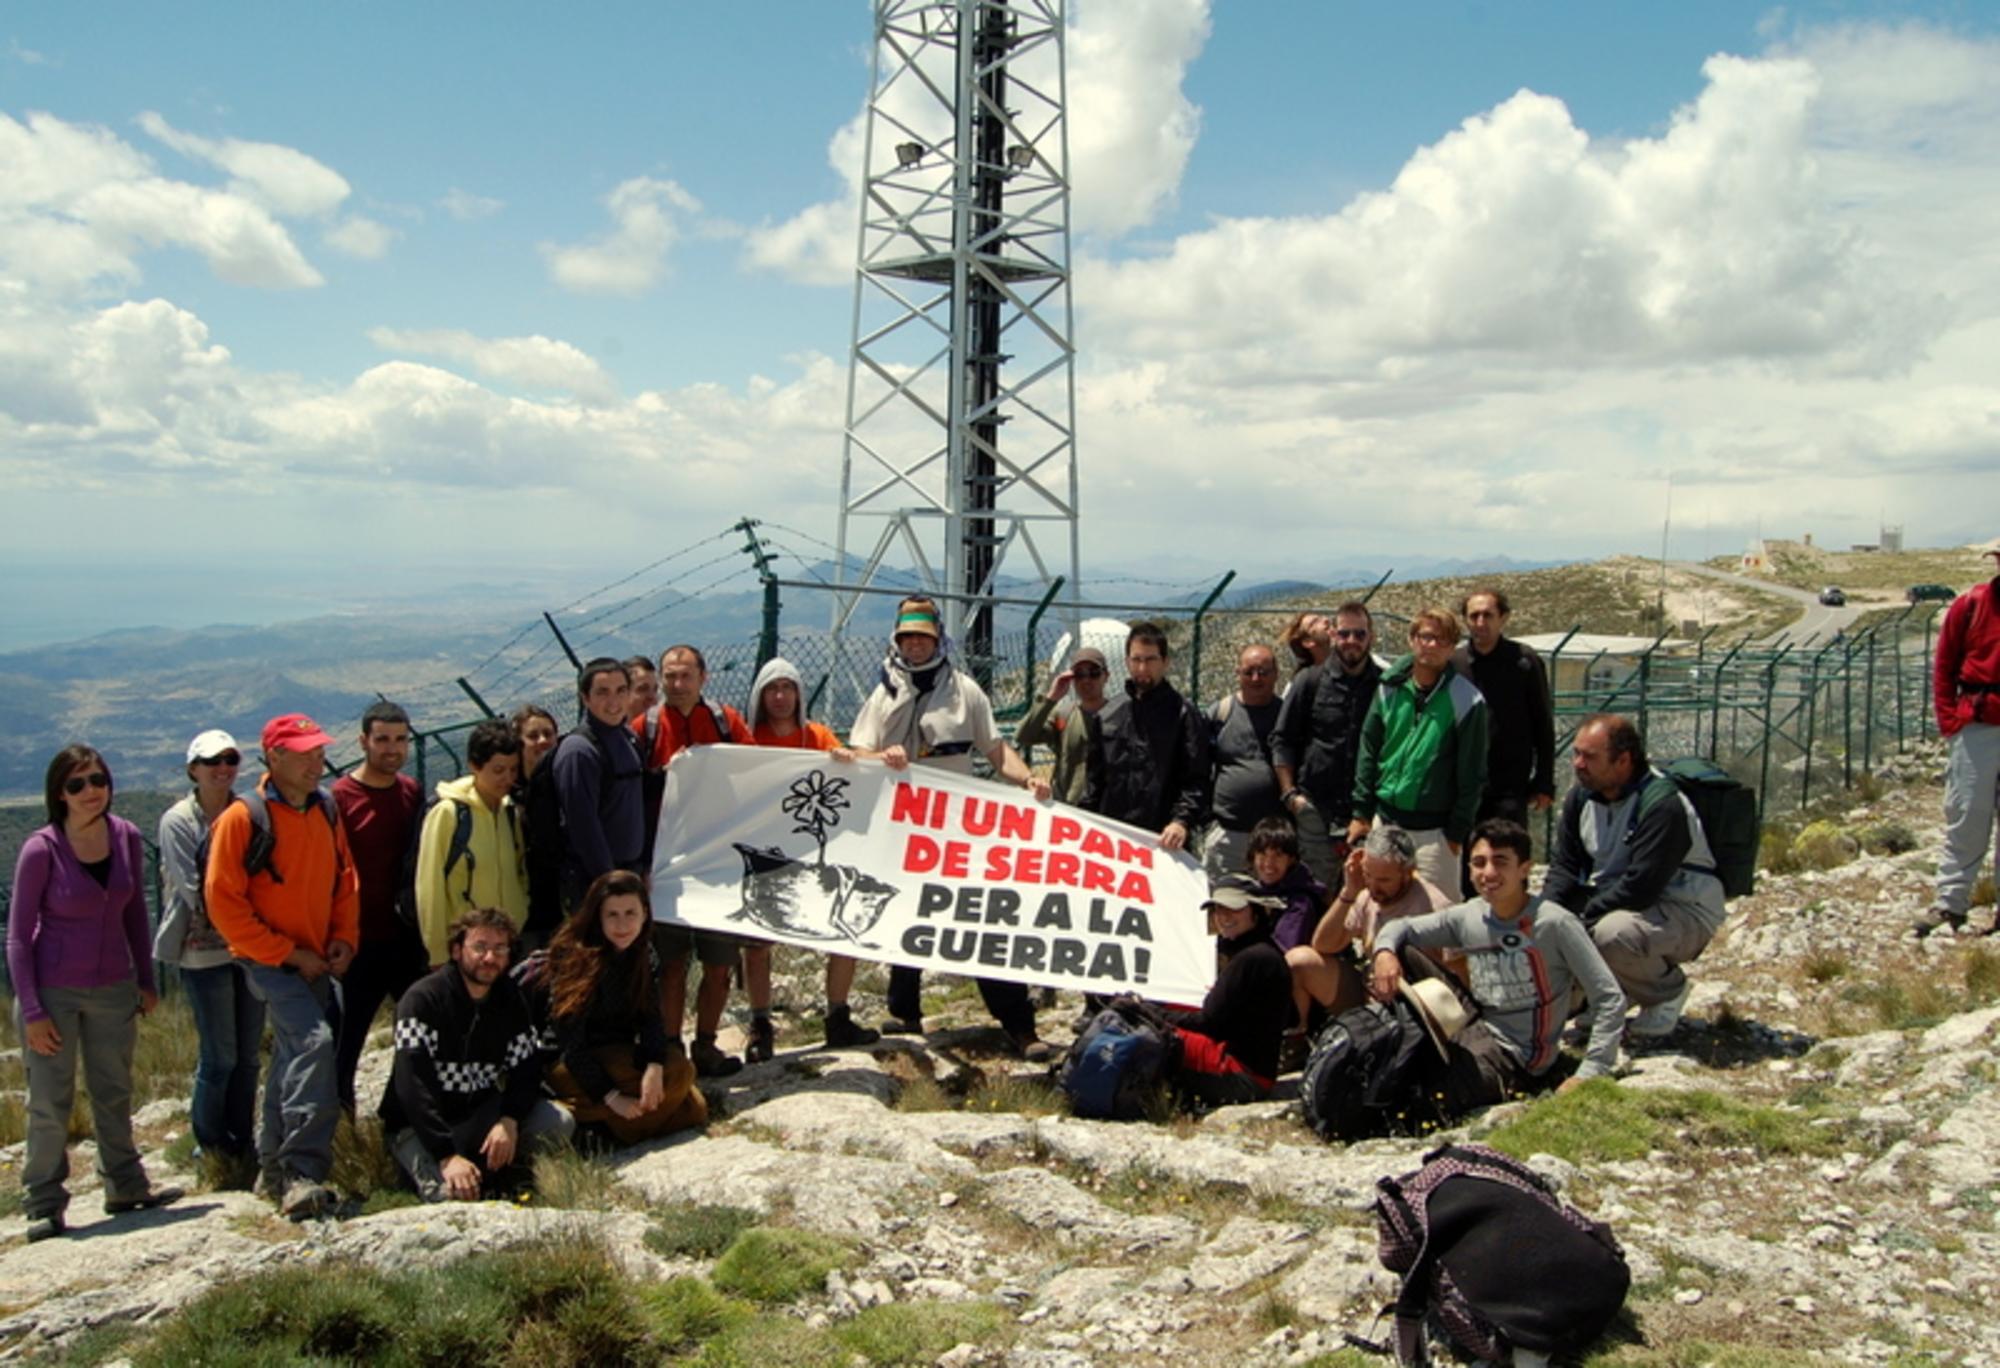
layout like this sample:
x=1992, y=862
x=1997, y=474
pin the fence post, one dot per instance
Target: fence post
x=473, y=694
x=1194, y=653
x=1812, y=716
x=1034, y=655
x=1847, y=715
x=1770, y=703
x=563, y=642
x=1868, y=709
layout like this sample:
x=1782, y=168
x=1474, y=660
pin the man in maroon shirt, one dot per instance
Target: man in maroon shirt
x=381, y=807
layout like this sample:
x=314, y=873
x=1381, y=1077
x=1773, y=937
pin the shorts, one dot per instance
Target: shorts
x=676, y=941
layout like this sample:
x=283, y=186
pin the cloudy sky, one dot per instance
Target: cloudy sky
x=367, y=293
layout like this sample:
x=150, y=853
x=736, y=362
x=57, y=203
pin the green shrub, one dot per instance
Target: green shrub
x=686, y=1312
x=1823, y=845
x=1889, y=838
x=771, y=1264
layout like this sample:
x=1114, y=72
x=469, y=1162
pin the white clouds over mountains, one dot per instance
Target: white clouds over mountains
x=1788, y=295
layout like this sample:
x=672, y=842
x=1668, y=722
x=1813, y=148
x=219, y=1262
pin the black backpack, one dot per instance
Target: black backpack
x=263, y=844
x=1493, y=1259
x=1373, y=1071
x=1727, y=810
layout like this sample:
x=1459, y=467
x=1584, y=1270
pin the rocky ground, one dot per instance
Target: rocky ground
x=1803, y=1175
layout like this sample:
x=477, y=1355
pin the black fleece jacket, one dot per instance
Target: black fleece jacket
x=454, y=1053
x=1147, y=762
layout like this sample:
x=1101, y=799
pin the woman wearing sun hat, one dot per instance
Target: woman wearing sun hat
x=228, y=1018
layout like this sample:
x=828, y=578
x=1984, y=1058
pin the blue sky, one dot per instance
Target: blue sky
x=1471, y=278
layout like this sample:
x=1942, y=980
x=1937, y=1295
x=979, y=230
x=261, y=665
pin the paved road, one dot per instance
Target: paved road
x=1817, y=618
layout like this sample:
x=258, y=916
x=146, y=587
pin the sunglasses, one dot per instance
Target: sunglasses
x=1086, y=672
x=1352, y=633
x=77, y=783
x=226, y=758
x=1255, y=672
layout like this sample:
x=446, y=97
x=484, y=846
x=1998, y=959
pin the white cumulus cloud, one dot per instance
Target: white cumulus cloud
x=467, y=207
x=646, y=215
x=360, y=236
x=283, y=179
x=1131, y=130
x=531, y=363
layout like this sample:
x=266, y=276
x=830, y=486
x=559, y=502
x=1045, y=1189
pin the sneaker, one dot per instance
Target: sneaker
x=1292, y=1051
x=843, y=1034
x=158, y=1197
x=710, y=1061
x=1658, y=1021
x=306, y=1200
x=763, y=1041
x=896, y=1025
x=1931, y=918
x=1033, y=1048
x=45, y=1227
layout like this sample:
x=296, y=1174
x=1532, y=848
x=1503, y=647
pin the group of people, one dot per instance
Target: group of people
x=506, y=915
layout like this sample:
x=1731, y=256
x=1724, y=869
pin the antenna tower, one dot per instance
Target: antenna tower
x=962, y=270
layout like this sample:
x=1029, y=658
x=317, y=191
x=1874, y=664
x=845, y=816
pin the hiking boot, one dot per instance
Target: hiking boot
x=896, y=1025
x=270, y=1182
x=1658, y=1021
x=306, y=1200
x=1033, y=1048
x=158, y=1197
x=763, y=1041
x=46, y=1227
x=710, y=1061
x=1931, y=918
x=1292, y=1051
x=843, y=1034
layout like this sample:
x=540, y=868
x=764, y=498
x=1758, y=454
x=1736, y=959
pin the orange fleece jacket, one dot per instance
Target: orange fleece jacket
x=318, y=902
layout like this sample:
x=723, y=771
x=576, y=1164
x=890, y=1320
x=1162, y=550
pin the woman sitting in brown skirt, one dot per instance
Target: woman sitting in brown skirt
x=602, y=983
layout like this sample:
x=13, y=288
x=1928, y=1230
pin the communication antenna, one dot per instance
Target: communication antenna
x=963, y=325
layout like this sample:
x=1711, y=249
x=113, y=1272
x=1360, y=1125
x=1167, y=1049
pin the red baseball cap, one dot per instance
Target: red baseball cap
x=294, y=732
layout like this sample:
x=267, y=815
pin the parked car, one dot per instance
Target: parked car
x=1932, y=593
x=1832, y=597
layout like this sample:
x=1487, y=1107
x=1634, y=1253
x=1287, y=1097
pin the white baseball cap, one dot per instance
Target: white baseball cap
x=210, y=744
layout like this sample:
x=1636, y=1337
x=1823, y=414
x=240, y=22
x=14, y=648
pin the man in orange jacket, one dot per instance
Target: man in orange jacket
x=280, y=888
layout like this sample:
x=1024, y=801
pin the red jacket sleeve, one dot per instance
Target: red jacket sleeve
x=1950, y=656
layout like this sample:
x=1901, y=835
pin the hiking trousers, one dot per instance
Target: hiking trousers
x=98, y=1026
x=1971, y=785
x=295, y=1139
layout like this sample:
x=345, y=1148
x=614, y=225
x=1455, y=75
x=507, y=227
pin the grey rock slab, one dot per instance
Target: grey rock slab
x=845, y=1122
x=1338, y=1274
x=1053, y=1205
x=841, y=1194
x=1315, y=1174
x=1961, y=1032
x=1967, y=1139
x=412, y=1238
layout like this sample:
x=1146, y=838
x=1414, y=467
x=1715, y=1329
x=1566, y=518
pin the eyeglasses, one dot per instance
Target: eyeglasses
x=1086, y=672
x=1352, y=633
x=1427, y=639
x=77, y=783
x=226, y=758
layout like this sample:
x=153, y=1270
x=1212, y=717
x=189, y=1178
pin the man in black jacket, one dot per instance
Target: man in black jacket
x=464, y=1101
x=1318, y=739
x=1520, y=716
x=1148, y=759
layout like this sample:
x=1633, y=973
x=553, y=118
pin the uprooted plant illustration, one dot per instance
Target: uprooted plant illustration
x=815, y=901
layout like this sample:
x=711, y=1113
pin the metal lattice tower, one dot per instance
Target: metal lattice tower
x=963, y=271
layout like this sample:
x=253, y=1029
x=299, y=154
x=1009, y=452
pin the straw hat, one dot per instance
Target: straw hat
x=1442, y=1011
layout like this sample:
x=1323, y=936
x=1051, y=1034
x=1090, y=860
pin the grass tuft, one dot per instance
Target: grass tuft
x=913, y=1333
x=774, y=1264
x=687, y=1312
x=697, y=1232
x=1602, y=1121
x=574, y=1181
x=362, y=1164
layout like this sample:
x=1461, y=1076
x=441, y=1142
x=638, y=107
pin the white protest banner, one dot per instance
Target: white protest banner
x=926, y=868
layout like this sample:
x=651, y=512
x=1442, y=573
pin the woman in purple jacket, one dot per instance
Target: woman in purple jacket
x=82, y=960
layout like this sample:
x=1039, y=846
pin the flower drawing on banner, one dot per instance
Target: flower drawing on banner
x=815, y=803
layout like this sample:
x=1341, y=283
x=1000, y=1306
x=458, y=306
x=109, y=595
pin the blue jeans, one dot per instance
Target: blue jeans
x=295, y=1139
x=230, y=1023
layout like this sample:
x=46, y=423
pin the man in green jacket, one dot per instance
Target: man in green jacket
x=1423, y=752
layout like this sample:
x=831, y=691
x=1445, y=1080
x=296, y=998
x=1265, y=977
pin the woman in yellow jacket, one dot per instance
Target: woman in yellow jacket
x=470, y=854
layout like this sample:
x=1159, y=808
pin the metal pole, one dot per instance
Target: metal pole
x=563, y=642
x=1812, y=712
x=1847, y=717
x=1194, y=653
x=1369, y=597
x=1868, y=715
x=1770, y=702
x=473, y=694
x=1034, y=655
